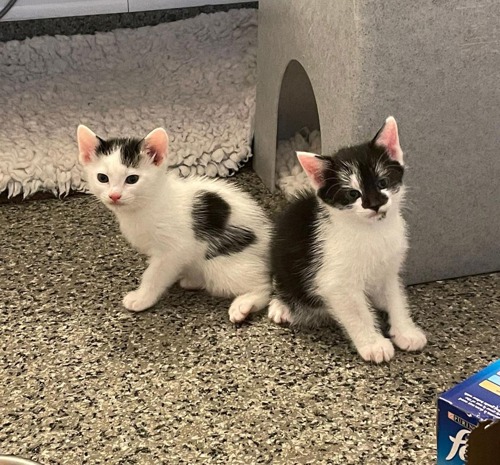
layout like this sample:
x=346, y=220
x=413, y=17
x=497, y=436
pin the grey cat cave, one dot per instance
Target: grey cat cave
x=343, y=66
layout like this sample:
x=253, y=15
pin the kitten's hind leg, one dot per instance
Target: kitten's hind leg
x=192, y=280
x=248, y=303
x=279, y=312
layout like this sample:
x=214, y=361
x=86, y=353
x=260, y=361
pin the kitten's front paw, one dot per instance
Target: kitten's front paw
x=379, y=351
x=279, y=312
x=138, y=300
x=411, y=338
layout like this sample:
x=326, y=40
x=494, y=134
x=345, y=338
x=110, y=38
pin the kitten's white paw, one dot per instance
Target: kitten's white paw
x=379, y=351
x=410, y=338
x=247, y=303
x=138, y=300
x=241, y=307
x=279, y=312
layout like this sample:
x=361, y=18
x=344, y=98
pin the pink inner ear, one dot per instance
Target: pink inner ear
x=313, y=166
x=388, y=138
x=87, y=144
x=157, y=145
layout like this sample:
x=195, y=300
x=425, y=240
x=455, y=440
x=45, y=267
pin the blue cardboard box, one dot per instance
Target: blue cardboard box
x=462, y=409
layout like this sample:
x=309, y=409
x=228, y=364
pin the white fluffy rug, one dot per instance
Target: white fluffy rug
x=194, y=77
x=290, y=177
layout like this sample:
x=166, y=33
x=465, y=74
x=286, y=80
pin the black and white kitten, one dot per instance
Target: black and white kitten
x=204, y=233
x=338, y=253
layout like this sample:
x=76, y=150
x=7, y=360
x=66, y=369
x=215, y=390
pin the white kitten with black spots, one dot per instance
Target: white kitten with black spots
x=337, y=253
x=204, y=233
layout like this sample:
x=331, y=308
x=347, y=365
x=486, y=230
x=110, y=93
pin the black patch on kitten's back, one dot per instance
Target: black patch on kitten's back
x=210, y=223
x=296, y=254
x=210, y=214
x=130, y=149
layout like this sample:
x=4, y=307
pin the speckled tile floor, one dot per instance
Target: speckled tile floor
x=83, y=381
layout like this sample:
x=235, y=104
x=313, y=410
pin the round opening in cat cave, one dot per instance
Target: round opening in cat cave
x=298, y=127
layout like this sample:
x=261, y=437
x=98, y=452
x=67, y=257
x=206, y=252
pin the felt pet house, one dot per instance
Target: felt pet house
x=343, y=66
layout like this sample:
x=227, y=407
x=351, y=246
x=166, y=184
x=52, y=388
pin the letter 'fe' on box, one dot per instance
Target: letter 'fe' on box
x=468, y=423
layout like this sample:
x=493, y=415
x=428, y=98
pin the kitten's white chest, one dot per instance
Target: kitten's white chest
x=139, y=237
x=141, y=232
x=362, y=255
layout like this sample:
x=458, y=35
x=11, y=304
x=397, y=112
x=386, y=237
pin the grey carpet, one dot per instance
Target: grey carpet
x=85, y=382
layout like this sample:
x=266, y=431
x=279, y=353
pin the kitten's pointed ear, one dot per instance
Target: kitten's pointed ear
x=388, y=139
x=87, y=144
x=314, y=166
x=156, y=143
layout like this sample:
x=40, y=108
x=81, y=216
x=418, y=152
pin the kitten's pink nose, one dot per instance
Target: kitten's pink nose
x=115, y=196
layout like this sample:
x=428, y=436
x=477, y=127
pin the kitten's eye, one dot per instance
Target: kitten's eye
x=382, y=183
x=101, y=177
x=132, y=179
x=353, y=194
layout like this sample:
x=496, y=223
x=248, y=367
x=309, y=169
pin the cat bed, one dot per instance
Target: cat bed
x=290, y=177
x=195, y=77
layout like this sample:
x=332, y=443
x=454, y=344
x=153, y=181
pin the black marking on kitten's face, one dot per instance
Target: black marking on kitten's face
x=210, y=223
x=371, y=166
x=130, y=149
